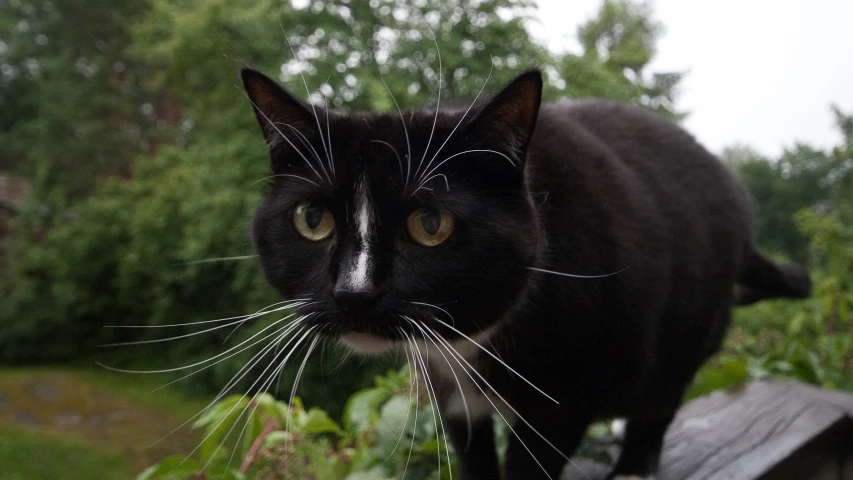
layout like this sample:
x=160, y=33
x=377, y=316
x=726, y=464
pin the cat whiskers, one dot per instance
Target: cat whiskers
x=285, y=338
x=399, y=162
x=437, y=308
x=437, y=103
x=220, y=259
x=483, y=87
x=284, y=137
x=406, y=133
x=428, y=175
x=413, y=385
x=323, y=139
x=433, y=399
x=470, y=368
x=495, y=357
x=304, y=141
x=456, y=378
x=287, y=175
x=259, y=356
x=422, y=187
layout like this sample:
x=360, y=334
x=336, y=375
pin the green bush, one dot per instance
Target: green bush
x=384, y=430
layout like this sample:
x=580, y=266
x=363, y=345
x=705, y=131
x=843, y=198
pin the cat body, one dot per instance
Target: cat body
x=555, y=263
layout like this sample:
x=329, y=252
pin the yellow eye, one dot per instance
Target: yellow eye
x=430, y=226
x=313, y=221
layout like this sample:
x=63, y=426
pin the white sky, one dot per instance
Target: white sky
x=761, y=72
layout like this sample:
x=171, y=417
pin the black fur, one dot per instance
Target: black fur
x=586, y=188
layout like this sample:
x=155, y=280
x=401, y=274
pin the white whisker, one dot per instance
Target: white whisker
x=283, y=136
x=437, y=103
x=457, y=356
x=408, y=410
x=491, y=68
x=301, y=339
x=428, y=175
x=238, y=322
x=252, y=317
x=399, y=162
x=417, y=400
x=219, y=259
x=170, y=339
x=437, y=308
x=293, y=394
x=329, y=133
x=256, y=358
x=313, y=109
x=260, y=312
x=202, y=362
x=284, y=331
x=287, y=175
x=458, y=383
x=304, y=141
x=435, y=407
x=405, y=132
x=576, y=276
x=448, y=346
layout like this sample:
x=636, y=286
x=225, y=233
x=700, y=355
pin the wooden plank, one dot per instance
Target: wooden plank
x=766, y=430
x=742, y=435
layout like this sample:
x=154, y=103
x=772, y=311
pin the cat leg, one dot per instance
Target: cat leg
x=641, y=449
x=521, y=464
x=478, y=459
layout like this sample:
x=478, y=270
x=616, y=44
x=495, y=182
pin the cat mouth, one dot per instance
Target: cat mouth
x=367, y=343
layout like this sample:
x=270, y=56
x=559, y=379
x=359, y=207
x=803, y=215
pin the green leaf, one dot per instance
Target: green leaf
x=376, y=473
x=323, y=465
x=396, y=424
x=318, y=421
x=276, y=437
x=362, y=408
x=176, y=467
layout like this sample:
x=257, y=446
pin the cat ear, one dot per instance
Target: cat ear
x=279, y=113
x=510, y=116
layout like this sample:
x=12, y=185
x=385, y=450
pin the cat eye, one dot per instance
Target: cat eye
x=429, y=226
x=313, y=221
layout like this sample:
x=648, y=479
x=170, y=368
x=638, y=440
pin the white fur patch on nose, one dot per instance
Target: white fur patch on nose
x=358, y=274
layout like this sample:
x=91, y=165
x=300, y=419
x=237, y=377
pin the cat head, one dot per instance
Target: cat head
x=386, y=222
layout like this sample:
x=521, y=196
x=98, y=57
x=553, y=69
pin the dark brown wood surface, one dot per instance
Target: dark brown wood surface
x=765, y=430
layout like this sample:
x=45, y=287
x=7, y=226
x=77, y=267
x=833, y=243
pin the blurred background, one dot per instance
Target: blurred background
x=128, y=156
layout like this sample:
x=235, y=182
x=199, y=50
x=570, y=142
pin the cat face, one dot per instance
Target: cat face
x=383, y=220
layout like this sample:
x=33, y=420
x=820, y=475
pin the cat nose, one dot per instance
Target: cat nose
x=355, y=301
x=348, y=293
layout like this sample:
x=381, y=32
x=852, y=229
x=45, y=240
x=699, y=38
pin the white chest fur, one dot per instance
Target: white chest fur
x=470, y=396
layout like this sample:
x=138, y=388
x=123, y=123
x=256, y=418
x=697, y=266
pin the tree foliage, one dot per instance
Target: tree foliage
x=802, y=177
x=69, y=94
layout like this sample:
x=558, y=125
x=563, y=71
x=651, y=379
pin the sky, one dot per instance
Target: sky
x=760, y=73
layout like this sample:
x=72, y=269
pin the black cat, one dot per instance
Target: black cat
x=590, y=249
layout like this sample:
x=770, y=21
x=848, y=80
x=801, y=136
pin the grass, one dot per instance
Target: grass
x=73, y=423
x=28, y=455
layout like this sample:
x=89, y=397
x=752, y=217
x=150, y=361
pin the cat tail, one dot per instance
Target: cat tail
x=760, y=278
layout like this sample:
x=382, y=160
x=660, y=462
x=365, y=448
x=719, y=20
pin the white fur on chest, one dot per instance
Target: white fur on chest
x=466, y=396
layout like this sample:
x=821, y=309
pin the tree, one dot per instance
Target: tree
x=72, y=94
x=618, y=45
x=802, y=177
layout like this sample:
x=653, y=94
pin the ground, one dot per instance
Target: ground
x=87, y=424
